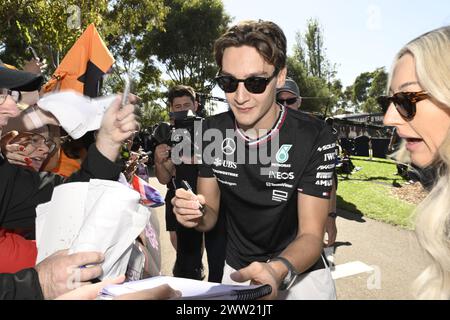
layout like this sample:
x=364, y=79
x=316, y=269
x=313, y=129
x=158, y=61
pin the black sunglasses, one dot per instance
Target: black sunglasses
x=287, y=102
x=404, y=102
x=229, y=84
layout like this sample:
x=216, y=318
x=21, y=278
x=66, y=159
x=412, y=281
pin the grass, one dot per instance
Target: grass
x=367, y=192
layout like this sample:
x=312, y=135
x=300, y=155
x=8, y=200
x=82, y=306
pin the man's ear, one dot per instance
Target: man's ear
x=195, y=106
x=281, y=78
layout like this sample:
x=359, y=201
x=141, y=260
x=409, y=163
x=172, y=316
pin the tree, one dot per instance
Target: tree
x=185, y=45
x=314, y=43
x=50, y=27
x=299, y=50
x=317, y=63
x=361, y=87
x=151, y=114
x=379, y=83
x=345, y=104
x=128, y=22
x=314, y=74
x=367, y=87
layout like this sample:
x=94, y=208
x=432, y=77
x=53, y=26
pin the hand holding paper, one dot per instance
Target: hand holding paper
x=103, y=216
x=61, y=272
x=76, y=113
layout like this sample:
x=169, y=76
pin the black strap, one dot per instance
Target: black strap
x=286, y=262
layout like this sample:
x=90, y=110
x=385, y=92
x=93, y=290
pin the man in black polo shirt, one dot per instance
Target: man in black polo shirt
x=269, y=167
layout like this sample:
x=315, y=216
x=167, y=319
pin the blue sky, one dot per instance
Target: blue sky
x=359, y=35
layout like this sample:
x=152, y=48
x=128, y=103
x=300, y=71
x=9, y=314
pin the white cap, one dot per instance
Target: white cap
x=76, y=113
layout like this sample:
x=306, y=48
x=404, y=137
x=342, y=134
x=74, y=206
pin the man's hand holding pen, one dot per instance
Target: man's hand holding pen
x=188, y=207
x=187, y=187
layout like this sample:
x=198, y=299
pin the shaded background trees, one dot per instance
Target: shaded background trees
x=312, y=71
x=366, y=88
x=184, y=47
x=162, y=42
x=147, y=38
x=51, y=27
x=315, y=75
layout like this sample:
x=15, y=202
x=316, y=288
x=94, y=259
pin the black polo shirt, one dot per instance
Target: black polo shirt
x=259, y=180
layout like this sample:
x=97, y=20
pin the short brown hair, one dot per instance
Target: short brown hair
x=181, y=91
x=265, y=36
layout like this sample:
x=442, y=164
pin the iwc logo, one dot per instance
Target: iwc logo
x=228, y=146
x=282, y=154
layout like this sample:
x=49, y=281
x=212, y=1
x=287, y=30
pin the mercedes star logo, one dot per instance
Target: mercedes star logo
x=228, y=146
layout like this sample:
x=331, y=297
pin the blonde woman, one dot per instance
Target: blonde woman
x=418, y=106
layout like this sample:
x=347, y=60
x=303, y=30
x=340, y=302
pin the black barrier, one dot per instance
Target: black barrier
x=380, y=147
x=362, y=146
x=347, y=145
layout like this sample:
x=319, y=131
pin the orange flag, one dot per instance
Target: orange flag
x=83, y=66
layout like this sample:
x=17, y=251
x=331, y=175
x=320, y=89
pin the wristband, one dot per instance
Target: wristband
x=290, y=277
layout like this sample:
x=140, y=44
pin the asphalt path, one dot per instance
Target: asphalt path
x=392, y=254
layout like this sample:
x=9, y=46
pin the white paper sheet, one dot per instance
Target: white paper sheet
x=76, y=113
x=191, y=289
x=99, y=215
x=59, y=221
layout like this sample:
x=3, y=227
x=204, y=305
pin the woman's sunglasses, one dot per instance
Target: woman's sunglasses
x=229, y=84
x=404, y=102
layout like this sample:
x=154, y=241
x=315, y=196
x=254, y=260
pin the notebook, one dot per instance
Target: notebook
x=191, y=289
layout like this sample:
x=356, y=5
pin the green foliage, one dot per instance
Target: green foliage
x=314, y=42
x=316, y=77
x=361, y=86
x=299, y=50
x=374, y=181
x=152, y=113
x=175, y=37
x=367, y=87
x=379, y=83
x=50, y=27
x=128, y=22
x=185, y=45
x=312, y=71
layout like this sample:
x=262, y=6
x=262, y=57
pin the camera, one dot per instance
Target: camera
x=181, y=134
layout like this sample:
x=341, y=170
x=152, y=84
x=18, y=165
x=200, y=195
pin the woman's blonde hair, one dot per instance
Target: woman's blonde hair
x=431, y=52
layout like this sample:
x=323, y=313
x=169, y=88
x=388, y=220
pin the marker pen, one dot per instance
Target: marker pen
x=188, y=187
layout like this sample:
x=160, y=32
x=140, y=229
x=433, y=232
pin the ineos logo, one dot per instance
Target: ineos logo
x=228, y=146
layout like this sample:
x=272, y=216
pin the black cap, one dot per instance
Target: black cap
x=19, y=80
